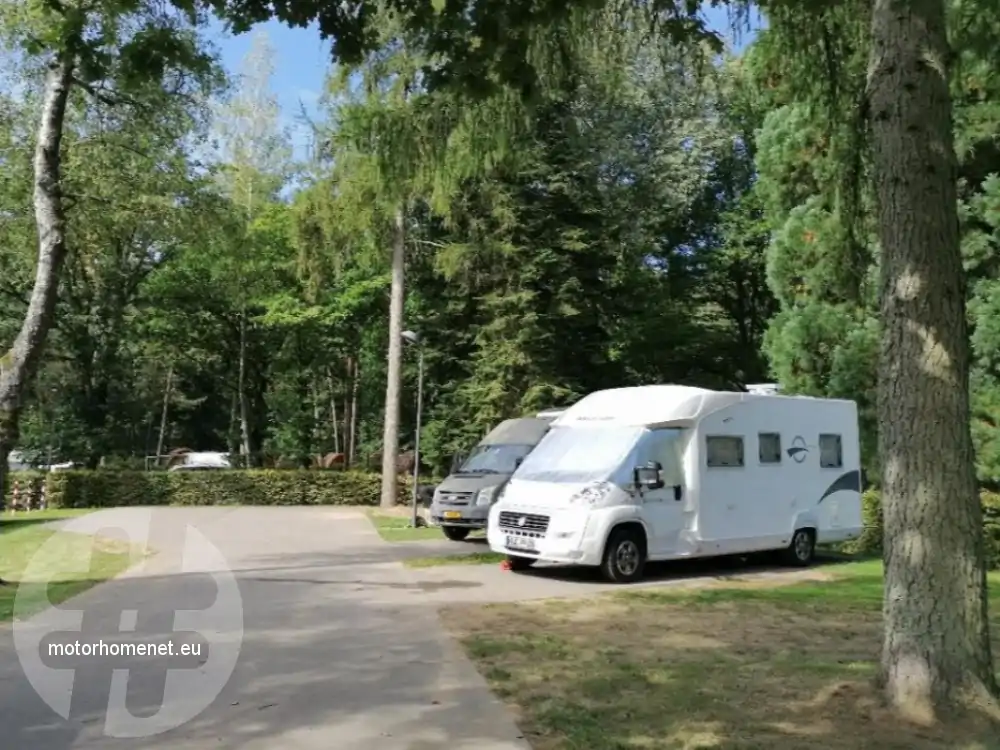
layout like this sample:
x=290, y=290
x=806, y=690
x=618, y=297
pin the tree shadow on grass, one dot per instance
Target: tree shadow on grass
x=10, y=523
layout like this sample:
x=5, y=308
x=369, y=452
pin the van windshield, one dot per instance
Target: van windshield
x=579, y=454
x=494, y=459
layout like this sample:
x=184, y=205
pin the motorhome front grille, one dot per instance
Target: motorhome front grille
x=456, y=498
x=523, y=521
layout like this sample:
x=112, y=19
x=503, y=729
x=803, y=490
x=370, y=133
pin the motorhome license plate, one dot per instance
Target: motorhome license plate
x=453, y=514
x=521, y=542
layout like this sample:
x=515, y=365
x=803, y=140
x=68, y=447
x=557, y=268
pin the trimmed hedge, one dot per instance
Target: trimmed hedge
x=107, y=488
x=870, y=542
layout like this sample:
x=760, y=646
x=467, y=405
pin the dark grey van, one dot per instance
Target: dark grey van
x=462, y=501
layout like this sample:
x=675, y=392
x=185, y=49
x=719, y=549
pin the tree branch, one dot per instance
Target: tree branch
x=98, y=94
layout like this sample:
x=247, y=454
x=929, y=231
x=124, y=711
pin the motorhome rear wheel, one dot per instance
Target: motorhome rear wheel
x=802, y=548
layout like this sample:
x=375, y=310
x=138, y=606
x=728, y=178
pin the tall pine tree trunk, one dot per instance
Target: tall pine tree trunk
x=18, y=365
x=394, y=370
x=937, y=643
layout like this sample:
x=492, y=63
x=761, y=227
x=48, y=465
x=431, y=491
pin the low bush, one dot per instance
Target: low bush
x=870, y=542
x=107, y=488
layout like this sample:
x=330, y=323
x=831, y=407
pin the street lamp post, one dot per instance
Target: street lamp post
x=413, y=338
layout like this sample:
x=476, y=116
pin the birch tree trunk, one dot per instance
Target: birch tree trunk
x=936, y=650
x=241, y=392
x=232, y=437
x=352, y=434
x=394, y=370
x=332, y=385
x=18, y=365
x=167, y=390
x=348, y=390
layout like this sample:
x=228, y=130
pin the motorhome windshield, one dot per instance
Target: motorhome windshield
x=579, y=454
x=494, y=459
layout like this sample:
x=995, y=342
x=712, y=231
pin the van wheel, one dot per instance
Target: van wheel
x=624, y=556
x=455, y=533
x=802, y=549
x=518, y=563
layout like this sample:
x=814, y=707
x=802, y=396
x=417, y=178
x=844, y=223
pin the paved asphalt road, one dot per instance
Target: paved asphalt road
x=339, y=647
x=313, y=637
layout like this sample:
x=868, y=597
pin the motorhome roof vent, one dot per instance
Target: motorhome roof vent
x=766, y=389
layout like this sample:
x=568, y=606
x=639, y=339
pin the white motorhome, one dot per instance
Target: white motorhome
x=664, y=472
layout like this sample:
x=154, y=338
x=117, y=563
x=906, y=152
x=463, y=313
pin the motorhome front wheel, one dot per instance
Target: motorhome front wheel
x=624, y=556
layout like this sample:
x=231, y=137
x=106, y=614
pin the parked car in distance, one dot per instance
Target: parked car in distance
x=204, y=460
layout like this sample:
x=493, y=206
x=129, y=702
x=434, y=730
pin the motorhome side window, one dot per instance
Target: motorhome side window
x=724, y=450
x=830, y=453
x=769, y=447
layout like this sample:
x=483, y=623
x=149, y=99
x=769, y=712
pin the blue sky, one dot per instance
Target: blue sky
x=302, y=60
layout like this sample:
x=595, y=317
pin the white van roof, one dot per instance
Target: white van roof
x=523, y=431
x=648, y=405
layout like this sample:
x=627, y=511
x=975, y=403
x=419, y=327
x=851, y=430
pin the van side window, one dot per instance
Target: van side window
x=724, y=450
x=769, y=447
x=831, y=455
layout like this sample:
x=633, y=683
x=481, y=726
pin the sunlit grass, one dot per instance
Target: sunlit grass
x=62, y=564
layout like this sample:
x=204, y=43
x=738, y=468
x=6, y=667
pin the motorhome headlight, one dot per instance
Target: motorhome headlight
x=592, y=494
x=486, y=494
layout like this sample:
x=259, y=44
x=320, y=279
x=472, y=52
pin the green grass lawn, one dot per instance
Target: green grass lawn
x=396, y=528
x=734, y=666
x=473, y=558
x=61, y=569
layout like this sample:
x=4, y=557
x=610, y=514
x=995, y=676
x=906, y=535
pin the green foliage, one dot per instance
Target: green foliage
x=109, y=489
x=464, y=49
x=605, y=236
x=809, y=71
x=870, y=542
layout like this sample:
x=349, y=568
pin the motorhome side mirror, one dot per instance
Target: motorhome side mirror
x=648, y=477
x=677, y=492
x=518, y=462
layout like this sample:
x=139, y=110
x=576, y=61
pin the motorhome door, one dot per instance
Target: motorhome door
x=663, y=507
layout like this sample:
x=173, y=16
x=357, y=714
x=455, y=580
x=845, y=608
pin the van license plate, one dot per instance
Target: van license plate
x=521, y=542
x=453, y=514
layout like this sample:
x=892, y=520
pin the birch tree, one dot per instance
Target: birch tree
x=105, y=50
